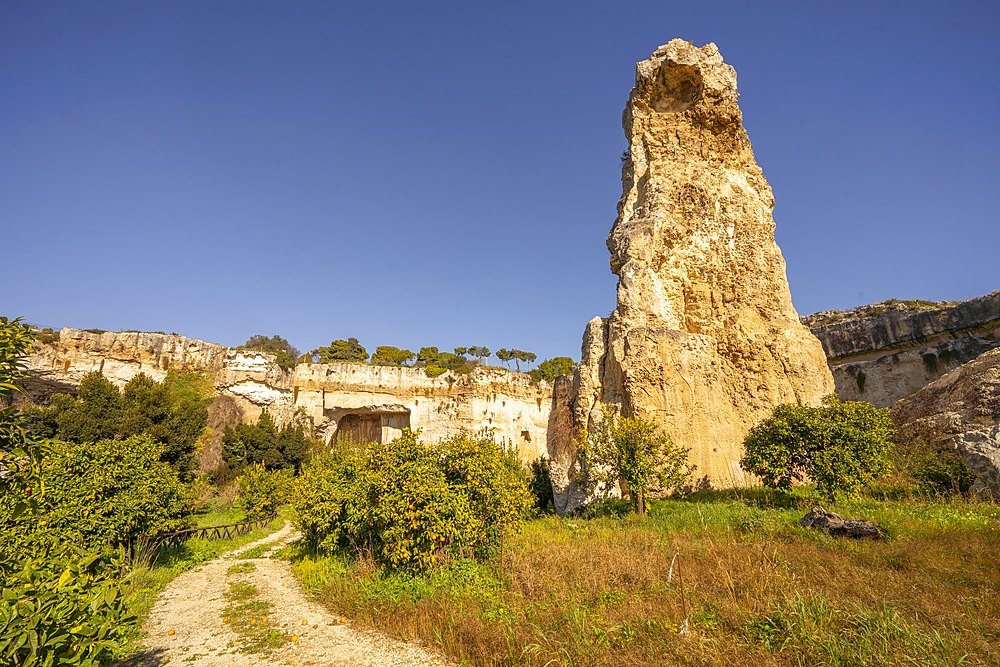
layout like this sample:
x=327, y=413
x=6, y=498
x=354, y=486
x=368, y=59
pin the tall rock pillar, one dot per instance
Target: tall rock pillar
x=704, y=339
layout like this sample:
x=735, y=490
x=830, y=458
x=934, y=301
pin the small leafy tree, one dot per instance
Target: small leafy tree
x=505, y=355
x=631, y=450
x=104, y=493
x=341, y=350
x=481, y=352
x=285, y=354
x=526, y=357
x=435, y=362
x=842, y=446
x=172, y=413
x=387, y=355
x=262, y=491
x=427, y=356
x=550, y=369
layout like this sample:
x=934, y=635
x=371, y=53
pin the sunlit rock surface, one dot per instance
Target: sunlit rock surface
x=367, y=402
x=884, y=352
x=960, y=411
x=704, y=339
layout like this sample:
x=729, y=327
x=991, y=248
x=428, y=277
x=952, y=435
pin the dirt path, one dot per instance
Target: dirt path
x=192, y=606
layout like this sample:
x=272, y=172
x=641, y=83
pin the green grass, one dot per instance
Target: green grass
x=750, y=585
x=256, y=552
x=249, y=617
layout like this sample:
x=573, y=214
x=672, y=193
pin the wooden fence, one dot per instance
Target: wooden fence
x=228, y=531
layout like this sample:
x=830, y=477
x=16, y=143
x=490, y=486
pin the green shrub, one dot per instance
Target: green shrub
x=410, y=505
x=264, y=443
x=941, y=472
x=284, y=354
x=388, y=355
x=173, y=413
x=541, y=485
x=58, y=606
x=842, y=446
x=100, y=494
x=262, y=491
x=436, y=362
x=550, y=369
x=341, y=350
x=631, y=449
x=609, y=508
x=61, y=609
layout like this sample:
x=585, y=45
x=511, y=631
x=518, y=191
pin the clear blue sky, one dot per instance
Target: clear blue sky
x=432, y=173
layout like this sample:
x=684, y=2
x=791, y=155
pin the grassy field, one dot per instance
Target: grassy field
x=748, y=586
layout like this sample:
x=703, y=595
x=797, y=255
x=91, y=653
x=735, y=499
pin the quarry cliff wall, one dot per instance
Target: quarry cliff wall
x=888, y=351
x=366, y=401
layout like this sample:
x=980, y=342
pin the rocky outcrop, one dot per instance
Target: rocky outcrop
x=119, y=356
x=838, y=526
x=704, y=339
x=960, y=411
x=369, y=402
x=884, y=352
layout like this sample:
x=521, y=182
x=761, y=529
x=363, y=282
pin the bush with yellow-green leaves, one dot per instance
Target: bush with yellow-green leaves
x=58, y=605
x=412, y=505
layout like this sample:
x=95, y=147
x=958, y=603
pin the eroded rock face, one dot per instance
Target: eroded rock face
x=960, y=411
x=704, y=339
x=370, y=401
x=119, y=356
x=884, y=352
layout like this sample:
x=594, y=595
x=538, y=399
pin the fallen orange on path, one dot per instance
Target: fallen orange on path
x=170, y=633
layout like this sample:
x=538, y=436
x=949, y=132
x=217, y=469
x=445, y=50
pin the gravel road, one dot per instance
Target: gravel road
x=192, y=605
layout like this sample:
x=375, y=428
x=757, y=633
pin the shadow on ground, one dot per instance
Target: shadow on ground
x=144, y=658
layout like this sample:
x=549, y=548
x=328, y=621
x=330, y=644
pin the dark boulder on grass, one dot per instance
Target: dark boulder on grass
x=838, y=526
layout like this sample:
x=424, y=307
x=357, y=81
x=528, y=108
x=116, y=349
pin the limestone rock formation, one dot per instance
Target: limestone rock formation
x=704, y=338
x=884, y=352
x=960, y=411
x=119, y=356
x=374, y=402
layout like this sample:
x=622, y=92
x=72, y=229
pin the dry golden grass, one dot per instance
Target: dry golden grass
x=757, y=589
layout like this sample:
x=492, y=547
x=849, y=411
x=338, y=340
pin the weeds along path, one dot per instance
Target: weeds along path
x=250, y=612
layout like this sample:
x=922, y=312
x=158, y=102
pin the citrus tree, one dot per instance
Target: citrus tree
x=263, y=491
x=632, y=450
x=60, y=606
x=409, y=504
x=842, y=446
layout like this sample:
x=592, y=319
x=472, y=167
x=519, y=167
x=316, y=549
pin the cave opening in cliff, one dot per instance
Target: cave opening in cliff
x=371, y=426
